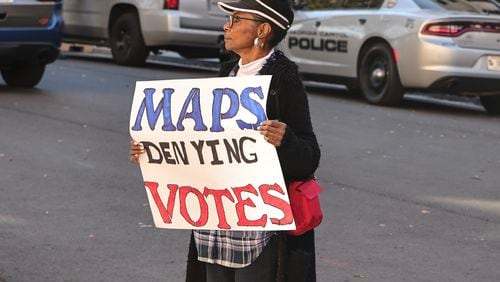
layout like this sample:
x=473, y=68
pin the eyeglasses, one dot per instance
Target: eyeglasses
x=235, y=18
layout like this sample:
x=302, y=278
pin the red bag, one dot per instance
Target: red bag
x=304, y=200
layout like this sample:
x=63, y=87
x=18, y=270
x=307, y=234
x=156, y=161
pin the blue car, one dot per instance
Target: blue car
x=30, y=37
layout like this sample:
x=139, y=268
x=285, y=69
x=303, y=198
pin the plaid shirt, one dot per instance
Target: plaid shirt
x=234, y=249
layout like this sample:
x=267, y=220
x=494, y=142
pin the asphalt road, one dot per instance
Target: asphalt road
x=411, y=193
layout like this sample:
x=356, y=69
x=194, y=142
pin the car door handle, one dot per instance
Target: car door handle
x=362, y=21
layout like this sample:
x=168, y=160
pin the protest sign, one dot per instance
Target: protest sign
x=206, y=166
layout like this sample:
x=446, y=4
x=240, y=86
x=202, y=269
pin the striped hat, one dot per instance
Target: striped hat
x=278, y=12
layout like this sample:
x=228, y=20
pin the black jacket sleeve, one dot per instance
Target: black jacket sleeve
x=299, y=152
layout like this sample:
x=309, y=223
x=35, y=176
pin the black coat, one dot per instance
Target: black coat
x=299, y=156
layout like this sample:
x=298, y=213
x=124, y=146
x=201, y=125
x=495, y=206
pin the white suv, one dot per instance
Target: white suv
x=133, y=28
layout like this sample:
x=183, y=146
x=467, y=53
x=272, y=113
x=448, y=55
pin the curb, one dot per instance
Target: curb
x=166, y=59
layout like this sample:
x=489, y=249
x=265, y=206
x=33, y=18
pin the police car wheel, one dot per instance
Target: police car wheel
x=378, y=75
x=23, y=75
x=491, y=104
x=127, y=43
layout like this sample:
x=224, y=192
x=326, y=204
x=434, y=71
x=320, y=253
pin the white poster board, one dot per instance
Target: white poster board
x=206, y=165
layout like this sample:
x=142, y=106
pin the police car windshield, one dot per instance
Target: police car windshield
x=472, y=6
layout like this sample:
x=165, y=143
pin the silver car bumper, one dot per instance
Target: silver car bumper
x=438, y=63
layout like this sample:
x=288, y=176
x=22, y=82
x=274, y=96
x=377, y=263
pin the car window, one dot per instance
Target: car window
x=318, y=4
x=337, y=4
x=473, y=6
x=361, y=4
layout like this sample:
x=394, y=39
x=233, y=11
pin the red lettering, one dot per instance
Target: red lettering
x=218, y=196
x=166, y=213
x=277, y=203
x=184, y=191
x=240, y=207
x=221, y=213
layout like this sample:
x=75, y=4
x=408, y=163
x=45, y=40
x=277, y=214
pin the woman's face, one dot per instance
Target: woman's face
x=240, y=31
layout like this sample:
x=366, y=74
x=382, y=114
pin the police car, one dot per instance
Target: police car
x=386, y=47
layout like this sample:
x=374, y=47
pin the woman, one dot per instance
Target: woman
x=254, y=28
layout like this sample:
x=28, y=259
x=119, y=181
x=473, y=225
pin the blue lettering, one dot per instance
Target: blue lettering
x=153, y=114
x=193, y=99
x=217, y=116
x=167, y=110
x=253, y=106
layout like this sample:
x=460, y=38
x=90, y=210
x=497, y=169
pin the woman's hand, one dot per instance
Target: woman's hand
x=136, y=149
x=273, y=131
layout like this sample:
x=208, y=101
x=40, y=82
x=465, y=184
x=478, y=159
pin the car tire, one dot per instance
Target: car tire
x=25, y=76
x=127, y=43
x=491, y=104
x=378, y=76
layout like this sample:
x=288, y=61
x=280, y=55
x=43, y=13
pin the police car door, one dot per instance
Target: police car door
x=327, y=35
x=318, y=41
x=304, y=43
x=343, y=33
x=301, y=44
